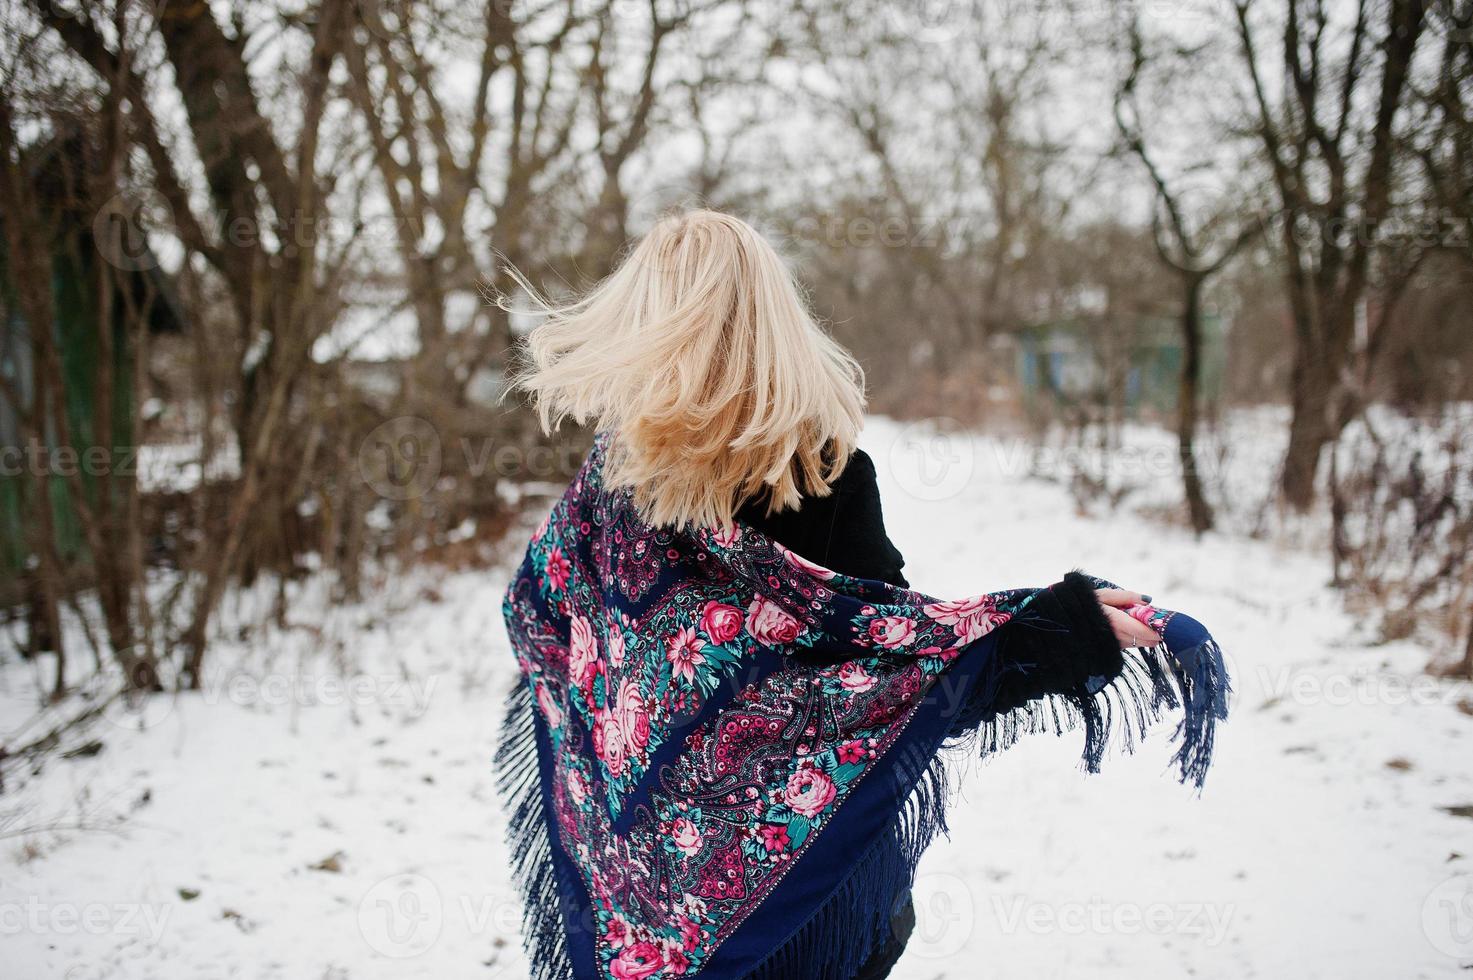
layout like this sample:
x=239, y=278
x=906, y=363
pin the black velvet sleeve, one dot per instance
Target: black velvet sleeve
x=1061, y=643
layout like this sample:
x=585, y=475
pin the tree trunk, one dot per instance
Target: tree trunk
x=1340, y=550
x=1310, y=428
x=1186, y=406
x=1466, y=668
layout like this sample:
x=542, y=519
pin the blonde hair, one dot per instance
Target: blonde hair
x=699, y=357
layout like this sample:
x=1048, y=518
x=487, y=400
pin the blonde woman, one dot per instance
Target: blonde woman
x=724, y=755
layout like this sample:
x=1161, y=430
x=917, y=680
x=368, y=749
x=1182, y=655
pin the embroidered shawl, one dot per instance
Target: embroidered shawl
x=723, y=760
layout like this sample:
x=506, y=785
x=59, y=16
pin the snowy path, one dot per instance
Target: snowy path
x=1307, y=856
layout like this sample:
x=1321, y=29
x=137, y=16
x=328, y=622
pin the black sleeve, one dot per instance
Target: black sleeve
x=856, y=543
x=1061, y=643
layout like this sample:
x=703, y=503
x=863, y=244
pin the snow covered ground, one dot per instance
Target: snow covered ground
x=326, y=811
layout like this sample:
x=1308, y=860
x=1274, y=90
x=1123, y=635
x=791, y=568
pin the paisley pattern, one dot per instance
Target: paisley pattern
x=710, y=701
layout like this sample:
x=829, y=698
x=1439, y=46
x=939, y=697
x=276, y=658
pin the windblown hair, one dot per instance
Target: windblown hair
x=700, y=358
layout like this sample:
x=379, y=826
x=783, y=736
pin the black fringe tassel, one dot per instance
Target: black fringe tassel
x=544, y=932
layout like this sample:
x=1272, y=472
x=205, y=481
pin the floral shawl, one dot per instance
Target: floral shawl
x=723, y=760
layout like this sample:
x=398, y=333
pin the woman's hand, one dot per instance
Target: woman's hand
x=1130, y=631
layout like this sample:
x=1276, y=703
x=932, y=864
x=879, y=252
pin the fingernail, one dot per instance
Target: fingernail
x=1145, y=598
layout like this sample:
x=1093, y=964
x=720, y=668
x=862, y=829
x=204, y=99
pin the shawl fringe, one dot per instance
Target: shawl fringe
x=544, y=934
x=1152, y=681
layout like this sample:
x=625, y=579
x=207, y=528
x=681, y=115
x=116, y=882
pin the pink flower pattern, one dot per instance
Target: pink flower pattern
x=684, y=654
x=557, y=571
x=720, y=622
x=971, y=619
x=893, y=632
x=769, y=624
x=809, y=791
x=854, y=677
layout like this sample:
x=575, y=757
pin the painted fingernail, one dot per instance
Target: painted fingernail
x=1145, y=598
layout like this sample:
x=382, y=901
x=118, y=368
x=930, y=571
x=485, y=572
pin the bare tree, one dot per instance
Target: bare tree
x=439, y=194
x=1334, y=147
x=52, y=188
x=954, y=165
x=1443, y=135
x=27, y=252
x=1193, y=247
x=260, y=232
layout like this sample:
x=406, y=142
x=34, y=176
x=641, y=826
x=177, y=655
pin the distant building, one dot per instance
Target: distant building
x=1077, y=360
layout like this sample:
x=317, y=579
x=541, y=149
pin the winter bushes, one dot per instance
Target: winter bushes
x=1401, y=501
